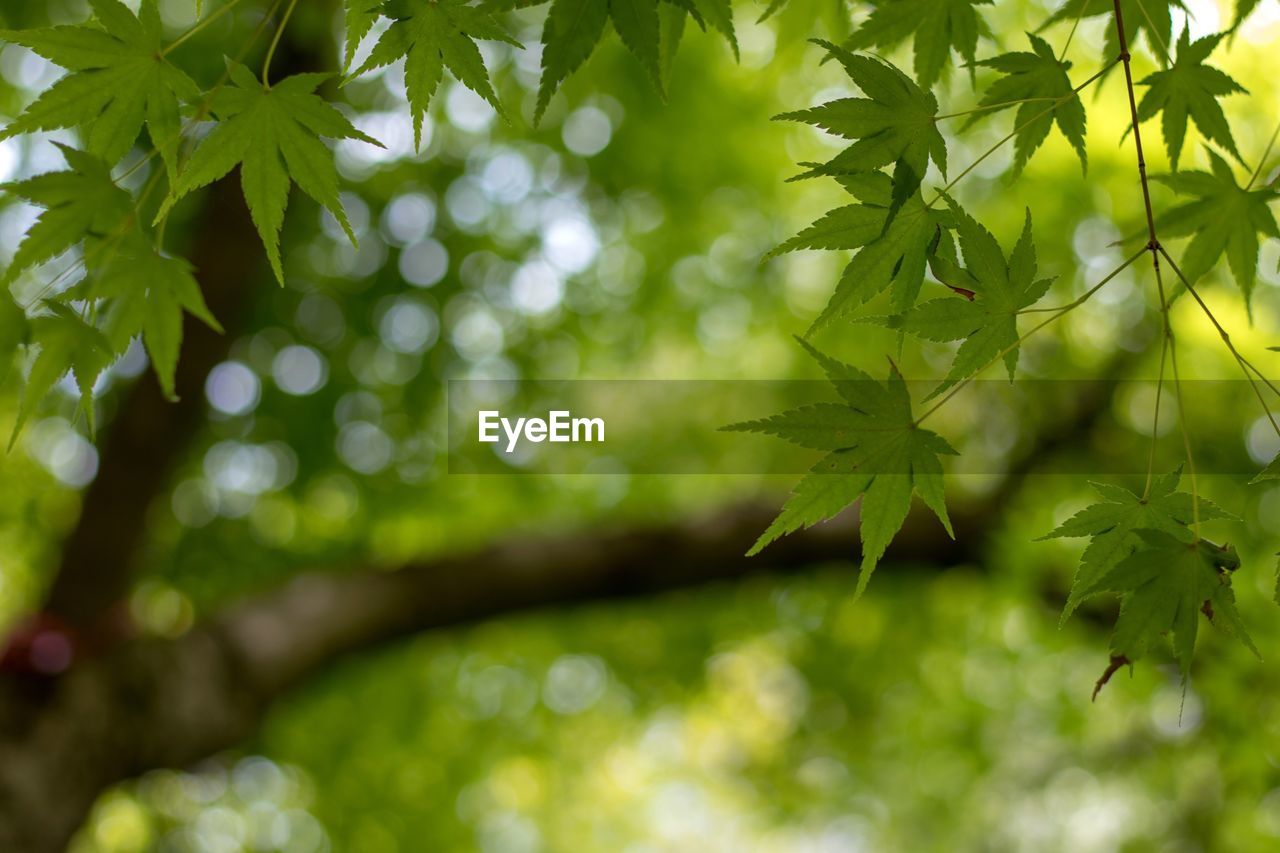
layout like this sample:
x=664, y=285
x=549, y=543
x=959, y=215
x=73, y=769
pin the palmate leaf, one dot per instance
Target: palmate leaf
x=1165, y=585
x=650, y=29
x=1189, y=88
x=1224, y=218
x=145, y=295
x=81, y=202
x=1111, y=526
x=636, y=23
x=13, y=332
x=274, y=134
x=1154, y=18
x=433, y=36
x=888, y=258
x=569, y=35
x=1037, y=83
x=358, y=19
x=1244, y=8
x=893, y=125
x=936, y=27
x=65, y=341
x=875, y=452
x=120, y=80
x=987, y=320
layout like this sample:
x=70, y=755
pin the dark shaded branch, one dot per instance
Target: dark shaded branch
x=152, y=703
x=283, y=636
x=148, y=704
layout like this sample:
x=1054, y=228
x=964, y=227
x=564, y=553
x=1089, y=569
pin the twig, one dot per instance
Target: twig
x=1245, y=364
x=1065, y=309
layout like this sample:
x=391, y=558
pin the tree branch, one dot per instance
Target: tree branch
x=151, y=703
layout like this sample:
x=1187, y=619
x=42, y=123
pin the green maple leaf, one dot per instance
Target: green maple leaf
x=274, y=134
x=651, y=30
x=1224, y=218
x=78, y=203
x=569, y=35
x=358, y=17
x=65, y=341
x=672, y=17
x=936, y=26
x=147, y=293
x=13, y=332
x=894, y=125
x=1112, y=525
x=433, y=36
x=891, y=253
x=876, y=452
x=990, y=293
x=1153, y=17
x=1165, y=585
x=636, y=23
x=717, y=14
x=1190, y=88
x=1271, y=472
x=1244, y=8
x=1034, y=82
x=120, y=80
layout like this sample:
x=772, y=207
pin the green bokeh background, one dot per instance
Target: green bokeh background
x=944, y=710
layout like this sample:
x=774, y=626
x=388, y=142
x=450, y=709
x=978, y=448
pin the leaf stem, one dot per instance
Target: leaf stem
x=198, y=26
x=1152, y=34
x=1155, y=419
x=982, y=108
x=1059, y=312
x=1262, y=161
x=1153, y=246
x=1245, y=364
x=1177, y=387
x=275, y=42
x=1075, y=25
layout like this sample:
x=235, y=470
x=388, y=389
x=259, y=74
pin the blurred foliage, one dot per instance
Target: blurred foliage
x=623, y=238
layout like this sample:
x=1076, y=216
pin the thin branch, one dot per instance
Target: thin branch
x=1137, y=130
x=1244, y=364
x=1153, y=246
x=1059, y=312
x=1075, y=25
x=982, y=108
x=1165, y=336
x=1172, y=345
